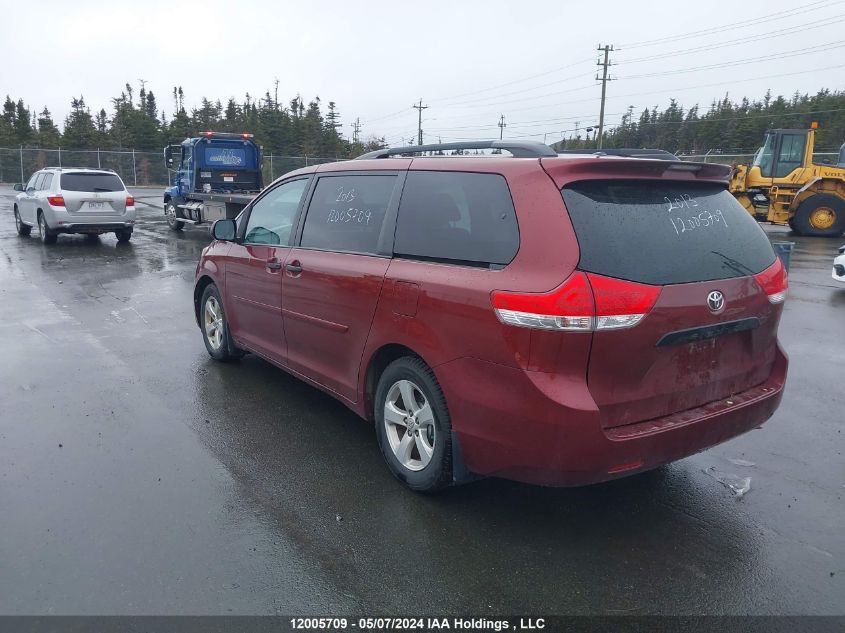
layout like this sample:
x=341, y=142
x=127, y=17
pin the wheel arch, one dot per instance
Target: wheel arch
x=816, y=186
x=376, y=365
x=199, y=288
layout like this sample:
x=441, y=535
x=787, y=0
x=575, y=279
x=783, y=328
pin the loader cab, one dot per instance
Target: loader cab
x=783, y=152
x=841, y=162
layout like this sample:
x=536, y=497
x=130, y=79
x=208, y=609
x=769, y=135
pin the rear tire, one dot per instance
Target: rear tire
x=23, y=229
x=415, y=437
x=123, y=236
x=215, y=327
x=170, y=213
x=47, y=236
x=821, y=215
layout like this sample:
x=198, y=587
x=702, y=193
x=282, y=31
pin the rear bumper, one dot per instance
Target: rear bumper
x=63, y=221
x=98, y=227
x=536, y=428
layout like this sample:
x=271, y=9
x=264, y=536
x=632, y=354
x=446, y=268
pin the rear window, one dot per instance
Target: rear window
x=82, y=181
x=658, y=232
x=458, y=217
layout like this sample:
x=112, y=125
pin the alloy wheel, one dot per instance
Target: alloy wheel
x=409, y=425
x=213, y=321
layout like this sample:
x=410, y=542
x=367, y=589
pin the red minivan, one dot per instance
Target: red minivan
x=554, y=320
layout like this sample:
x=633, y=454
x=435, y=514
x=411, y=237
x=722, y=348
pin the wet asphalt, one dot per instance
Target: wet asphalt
x=137, y=476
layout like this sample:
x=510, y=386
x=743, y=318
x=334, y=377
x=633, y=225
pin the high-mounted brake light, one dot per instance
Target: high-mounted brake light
x=774, y=281
x=584, y=301
x=130, y=201
x=56, y=201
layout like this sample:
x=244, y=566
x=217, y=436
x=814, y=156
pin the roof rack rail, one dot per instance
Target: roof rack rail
x=519, y=149
x=77, y=168
x=628, y=152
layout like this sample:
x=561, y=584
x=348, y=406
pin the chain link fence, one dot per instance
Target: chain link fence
x=819, y=158
x=136, y=168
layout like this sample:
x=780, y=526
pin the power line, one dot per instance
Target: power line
x=516, y=81
x=742, y=40
x=794, y=53
x=734, y=25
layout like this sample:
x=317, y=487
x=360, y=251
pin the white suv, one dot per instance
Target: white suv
x=63, y=200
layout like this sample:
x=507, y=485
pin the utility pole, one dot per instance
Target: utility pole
x=356, y=129
x=420, y=107
x=604, y=79
x=502, y=126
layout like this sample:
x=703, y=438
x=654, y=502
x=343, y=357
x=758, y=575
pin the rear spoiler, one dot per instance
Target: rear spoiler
x=565, y=169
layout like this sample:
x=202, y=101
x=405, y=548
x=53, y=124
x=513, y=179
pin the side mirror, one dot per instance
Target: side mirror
x=224, y=230
x=18, y=186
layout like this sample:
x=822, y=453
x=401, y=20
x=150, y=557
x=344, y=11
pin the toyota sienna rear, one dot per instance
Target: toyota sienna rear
x=554, y=320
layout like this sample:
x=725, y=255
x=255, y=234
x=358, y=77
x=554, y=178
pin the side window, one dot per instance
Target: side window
x=48, y=181
x=271, y=217
x=38, y=181
x=791, y=154
x=457, y=217
x=31, y=183
x=347, y=212
x=187, y=151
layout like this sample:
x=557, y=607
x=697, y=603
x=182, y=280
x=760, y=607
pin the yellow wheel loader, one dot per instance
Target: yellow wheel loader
x=809, y=198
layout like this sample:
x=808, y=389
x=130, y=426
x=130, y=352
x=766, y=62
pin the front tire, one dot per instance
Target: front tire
x=170, y=213
x=47, y=236
x=23, y=229
x=215, y=327
x=413, y=426
x=820, y=215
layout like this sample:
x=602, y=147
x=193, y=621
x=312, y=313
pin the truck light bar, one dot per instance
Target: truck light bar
x=210, y=134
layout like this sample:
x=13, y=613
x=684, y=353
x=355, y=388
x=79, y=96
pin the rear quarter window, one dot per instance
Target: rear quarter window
x=457, y=217
x=82, y=181
x=659, y=233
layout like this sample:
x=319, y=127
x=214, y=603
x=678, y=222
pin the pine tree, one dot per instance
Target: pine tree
x=79, y=132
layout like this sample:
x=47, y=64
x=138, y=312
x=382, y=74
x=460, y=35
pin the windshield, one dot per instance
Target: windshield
x=764, y=156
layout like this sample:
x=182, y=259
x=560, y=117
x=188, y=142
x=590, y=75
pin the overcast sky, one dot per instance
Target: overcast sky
x=470, y=61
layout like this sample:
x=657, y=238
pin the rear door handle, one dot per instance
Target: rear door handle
x=273, y=265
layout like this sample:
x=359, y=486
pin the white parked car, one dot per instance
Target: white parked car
x=57, y=200
x=839, y=266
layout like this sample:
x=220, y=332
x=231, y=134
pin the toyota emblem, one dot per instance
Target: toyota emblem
x=716, y=301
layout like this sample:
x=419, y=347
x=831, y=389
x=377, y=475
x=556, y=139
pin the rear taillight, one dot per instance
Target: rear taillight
x=620, y=303
x=567, y=307
x=583, y=302
x=56, y=201
x=773, y=281
x=130, y=201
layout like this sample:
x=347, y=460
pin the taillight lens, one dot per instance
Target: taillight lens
x=774, y=281
x=567, y=307
x=584, y=301
x=619, y=303
x=130, y=201
x=56, y=201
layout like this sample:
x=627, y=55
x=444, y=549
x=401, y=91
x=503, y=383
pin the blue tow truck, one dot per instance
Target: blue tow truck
x=216, y=176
